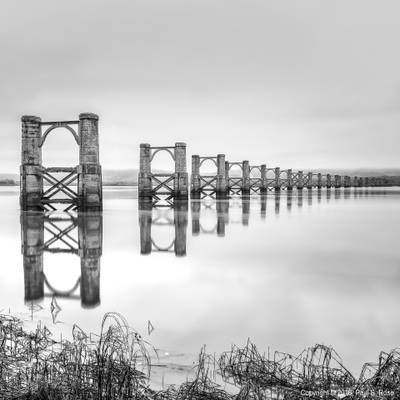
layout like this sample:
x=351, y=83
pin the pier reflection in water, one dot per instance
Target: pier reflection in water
x=174, y=215
x=174, y=218
x=239, y=255
x=62, y=233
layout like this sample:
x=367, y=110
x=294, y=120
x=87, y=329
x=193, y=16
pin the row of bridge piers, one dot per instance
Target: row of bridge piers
x=223, y=182
x=79, y=187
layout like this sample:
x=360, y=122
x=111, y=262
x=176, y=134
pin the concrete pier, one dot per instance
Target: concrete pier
x=290, y=179
x=246, y=177
x=90, y=188
x=300, y=180
x=310, y=181
x=86, y=176
x=144, y=177
x=222, y=184
x=195, y=184
x=31, y=163
x=181, y=181
x=277, y=185
x=263, y=179
x=214, y=183
x=319, y=180
x=328, y=181
x=169, y=186
x=338, y=182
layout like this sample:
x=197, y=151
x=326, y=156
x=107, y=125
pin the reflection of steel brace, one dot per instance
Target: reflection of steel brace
x=62, y=235
x=88, y=246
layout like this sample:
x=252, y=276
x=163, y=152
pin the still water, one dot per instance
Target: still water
x=287, y=272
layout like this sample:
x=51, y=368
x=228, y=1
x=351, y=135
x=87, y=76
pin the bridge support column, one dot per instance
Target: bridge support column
x=319, y=181
x=90, y=235
x=309, y=181
x=289, y=179
x=338, y=182
x=181, y=185
x=300, y=180
x=227, y=177
x=263, y=177
x=277, y=184
x=246, y=177
x=31, y=181
x=222, y=183
x=195, y=178
x=328, y=181
x=90, y=190
x=144, y=178
x=32, y=226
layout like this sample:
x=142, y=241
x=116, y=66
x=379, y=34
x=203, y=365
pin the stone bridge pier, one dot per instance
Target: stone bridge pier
x=33, y=195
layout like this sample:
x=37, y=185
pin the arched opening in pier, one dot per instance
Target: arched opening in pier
x=270, y=173
x=60, y=149
x=208, y=166
x=208, y=218
x=162, y=161
x=283, y=178
x=255, y=172
x=235, y=170
x=62, y=274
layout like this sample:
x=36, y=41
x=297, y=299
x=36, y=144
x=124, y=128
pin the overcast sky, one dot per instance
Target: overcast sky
x=301, y=83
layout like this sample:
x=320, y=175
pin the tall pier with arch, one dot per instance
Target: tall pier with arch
x=74, y=187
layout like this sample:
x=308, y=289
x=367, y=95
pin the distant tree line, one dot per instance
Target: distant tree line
x=8, y=182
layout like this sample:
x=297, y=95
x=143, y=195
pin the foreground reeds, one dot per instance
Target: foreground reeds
x=116, y=365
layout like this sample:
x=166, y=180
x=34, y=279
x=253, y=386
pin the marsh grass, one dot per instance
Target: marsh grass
x=116, y=365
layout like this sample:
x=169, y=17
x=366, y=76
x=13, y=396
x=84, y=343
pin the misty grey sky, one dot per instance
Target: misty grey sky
x=300, y=83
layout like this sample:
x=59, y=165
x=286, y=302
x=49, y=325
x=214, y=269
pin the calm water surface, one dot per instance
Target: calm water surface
x=287, y=273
